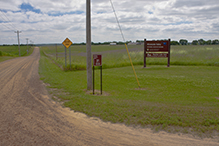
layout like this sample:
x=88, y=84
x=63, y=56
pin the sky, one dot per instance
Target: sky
x=51, y=21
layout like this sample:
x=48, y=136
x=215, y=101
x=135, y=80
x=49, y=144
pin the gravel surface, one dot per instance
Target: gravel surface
x=28, y=116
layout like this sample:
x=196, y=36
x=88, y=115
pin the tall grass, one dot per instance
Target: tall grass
x=13, y=51
x=116, y=56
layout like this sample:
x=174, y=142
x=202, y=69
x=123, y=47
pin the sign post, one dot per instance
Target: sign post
x=70, y=57
x=65, y=57
x=97, y=61
x=67, y=43
x=56, y=53
x=157, y=49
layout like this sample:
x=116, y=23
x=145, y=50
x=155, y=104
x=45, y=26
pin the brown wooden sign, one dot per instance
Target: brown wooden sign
x=159, y=47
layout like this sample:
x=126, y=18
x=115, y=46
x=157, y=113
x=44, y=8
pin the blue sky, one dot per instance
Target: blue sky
x=27, y=7
x=50, y=21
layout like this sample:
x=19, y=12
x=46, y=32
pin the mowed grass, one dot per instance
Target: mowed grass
x=176, y=99
x=10, y=52
x=116, y=56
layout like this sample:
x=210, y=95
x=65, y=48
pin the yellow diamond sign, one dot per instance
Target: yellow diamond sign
x=67, y=43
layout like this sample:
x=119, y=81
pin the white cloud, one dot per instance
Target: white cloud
x=151, y=19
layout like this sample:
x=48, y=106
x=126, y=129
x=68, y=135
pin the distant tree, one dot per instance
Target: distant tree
x=128, y=42
x=208, y=42
x=195, y=42
x=120, y=43
x=139, y=41
x=106, y=43
x=174, y=43
x=215, y=42
x=201, y=42
x=183, y=42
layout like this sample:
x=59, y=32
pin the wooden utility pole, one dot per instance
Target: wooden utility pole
x=27, y=46
x=18, y=41
x=88, y=43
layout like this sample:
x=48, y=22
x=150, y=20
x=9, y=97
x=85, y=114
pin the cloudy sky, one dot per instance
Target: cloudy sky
x=51, y=21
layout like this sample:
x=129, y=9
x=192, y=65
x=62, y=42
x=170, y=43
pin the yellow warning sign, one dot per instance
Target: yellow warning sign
x=67, y=43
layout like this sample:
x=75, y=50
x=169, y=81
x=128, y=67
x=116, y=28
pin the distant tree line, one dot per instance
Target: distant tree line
x=180, y=42
x=17, y=45
x=104, y=43
x=194, y=42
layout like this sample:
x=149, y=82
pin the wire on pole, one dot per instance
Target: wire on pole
x=9, y=22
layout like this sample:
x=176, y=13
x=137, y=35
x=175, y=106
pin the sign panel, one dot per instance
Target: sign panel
x=97, y=60
x=157, y=46
x=67, y=43
x=156, y=55
x=150, y=47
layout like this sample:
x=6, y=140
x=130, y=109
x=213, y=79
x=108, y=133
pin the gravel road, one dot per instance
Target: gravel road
x=29, y=117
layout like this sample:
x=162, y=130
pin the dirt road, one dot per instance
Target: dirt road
x=29, y=117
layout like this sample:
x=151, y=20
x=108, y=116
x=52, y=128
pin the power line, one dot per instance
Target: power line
x=7, y=26
x=13, y=26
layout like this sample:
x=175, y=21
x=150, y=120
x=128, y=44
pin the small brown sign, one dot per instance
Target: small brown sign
x=97, y=60
x=67, y=43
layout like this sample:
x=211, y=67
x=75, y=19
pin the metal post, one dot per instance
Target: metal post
x=145, y=48
x=70, y=57
x=168, y=65
x=65, y=58
x=56, y=53
x=101, y=85
x=93, y=79
x=88, y=43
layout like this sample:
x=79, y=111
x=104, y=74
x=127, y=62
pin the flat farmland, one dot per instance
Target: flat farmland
x=183, y=98
x=116, y=56
x=9, y=52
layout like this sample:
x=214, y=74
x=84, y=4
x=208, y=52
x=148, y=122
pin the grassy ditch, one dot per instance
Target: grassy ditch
x=176, y=99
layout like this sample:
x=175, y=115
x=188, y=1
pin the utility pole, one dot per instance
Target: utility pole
x=31, y=43
x=27, y=46
x=18, y=41
x=88, y=45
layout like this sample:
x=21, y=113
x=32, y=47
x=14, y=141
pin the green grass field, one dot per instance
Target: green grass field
x=116, y=56
x=182, y=98
x=10, y=52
